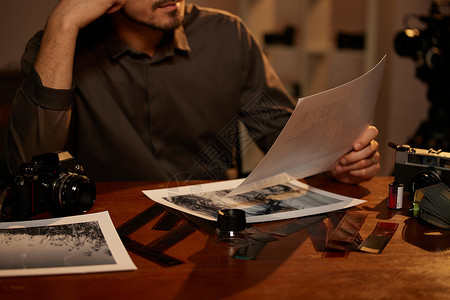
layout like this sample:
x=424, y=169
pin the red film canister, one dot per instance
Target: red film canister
x=395, y=200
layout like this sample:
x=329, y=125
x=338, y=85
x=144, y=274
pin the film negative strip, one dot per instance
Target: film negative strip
x=168, y=221
x=249, y=252
x=258, y=235
x=339, y=235
x=154, y=256
x=297, y=225
x=257, y=241
x=434, y=205
x=154, y=250
x=345, y=235
x=257, y=238
x=205, y=225
x=317, y=233
x=140, y=220
x=379, y=237
x=172, y=237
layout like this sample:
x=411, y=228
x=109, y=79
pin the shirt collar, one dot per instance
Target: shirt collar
x=180, y=39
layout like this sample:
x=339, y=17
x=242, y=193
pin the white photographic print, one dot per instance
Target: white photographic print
x=330, y=122
x=282, y=201
x=67, y=245
x=78, y=244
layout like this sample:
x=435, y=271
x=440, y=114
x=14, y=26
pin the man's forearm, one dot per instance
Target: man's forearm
x=41, y=114
x=54, y=62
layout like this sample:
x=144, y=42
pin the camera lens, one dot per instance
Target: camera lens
x=408, y=42
x=425, y=178
x=74, y=193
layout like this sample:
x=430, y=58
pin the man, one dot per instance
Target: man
x=152, y=90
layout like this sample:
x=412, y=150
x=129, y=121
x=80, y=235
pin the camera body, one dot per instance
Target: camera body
x=418, y=168
x=51, y=182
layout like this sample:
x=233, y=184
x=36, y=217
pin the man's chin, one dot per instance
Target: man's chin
x=166, y=27
x=161, y=23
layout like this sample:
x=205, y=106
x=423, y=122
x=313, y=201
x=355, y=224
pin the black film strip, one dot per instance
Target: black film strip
x=154, y=250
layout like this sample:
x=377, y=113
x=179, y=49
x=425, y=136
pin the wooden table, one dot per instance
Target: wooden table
x=290, y=268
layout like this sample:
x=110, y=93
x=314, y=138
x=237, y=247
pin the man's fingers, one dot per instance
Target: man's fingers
x=370, y=134
x=356, y=156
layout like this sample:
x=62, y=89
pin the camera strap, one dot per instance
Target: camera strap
x=434, y=205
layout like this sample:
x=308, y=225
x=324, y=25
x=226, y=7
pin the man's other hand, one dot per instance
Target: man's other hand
x=362, y=163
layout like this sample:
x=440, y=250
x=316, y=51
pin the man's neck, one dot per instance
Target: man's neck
x=138, y=37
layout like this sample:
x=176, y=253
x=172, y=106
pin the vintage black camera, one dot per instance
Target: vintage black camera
x=50, y=182
x=429, y=46
x=419, y=168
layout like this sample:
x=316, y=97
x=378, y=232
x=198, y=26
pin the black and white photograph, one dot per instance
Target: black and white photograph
x=76, y=244
x=281, y=201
